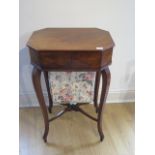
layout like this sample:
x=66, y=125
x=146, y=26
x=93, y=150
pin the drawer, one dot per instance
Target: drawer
x=62, y=60
x=86, y=60
x=55, y=60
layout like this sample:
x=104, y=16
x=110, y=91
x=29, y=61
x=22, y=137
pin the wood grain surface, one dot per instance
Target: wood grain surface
x=75, y=134
x=70, y=39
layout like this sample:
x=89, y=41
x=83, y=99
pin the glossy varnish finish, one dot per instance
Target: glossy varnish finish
x=71, y=49
x=63, y=48
x=70, y=39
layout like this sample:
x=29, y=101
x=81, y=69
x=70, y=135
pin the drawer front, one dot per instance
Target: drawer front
x=55, y=60
x=68, y=60
x=86, y=60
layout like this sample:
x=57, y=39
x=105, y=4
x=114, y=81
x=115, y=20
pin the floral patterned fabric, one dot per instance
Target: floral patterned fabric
x=72, y=86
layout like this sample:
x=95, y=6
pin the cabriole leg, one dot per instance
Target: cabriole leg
x=106, y=76
x=36, y=74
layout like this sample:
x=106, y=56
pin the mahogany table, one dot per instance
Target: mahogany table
x=71, y=49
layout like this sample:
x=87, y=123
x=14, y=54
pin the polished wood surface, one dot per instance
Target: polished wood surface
x=36, y=75
x=70, y=39
x=71, y=49
x=96, y=89
x=106, y=77
x=74, y=134
x=71, y=60
x=48, y=91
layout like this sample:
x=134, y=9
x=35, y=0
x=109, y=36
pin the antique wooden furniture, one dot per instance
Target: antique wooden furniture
x=71, y=49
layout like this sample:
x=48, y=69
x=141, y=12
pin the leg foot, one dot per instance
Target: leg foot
x=45, y=137
x=46, y=133
x=99, y=127
x=50, y=109
x=101, y=137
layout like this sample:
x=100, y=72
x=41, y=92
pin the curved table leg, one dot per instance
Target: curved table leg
x=36, y=74
x=97, y=83
x=48, y=91
x=106, y=76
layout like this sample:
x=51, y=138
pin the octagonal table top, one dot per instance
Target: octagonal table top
x=70, y=39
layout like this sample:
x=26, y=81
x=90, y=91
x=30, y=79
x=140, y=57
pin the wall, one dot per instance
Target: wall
x=114, y=16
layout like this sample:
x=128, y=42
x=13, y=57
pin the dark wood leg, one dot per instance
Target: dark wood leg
x=36, y=74
x=48, y=91
x=106, y=76
x=97, y=83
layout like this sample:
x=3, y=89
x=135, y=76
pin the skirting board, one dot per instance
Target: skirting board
x=121, y=96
